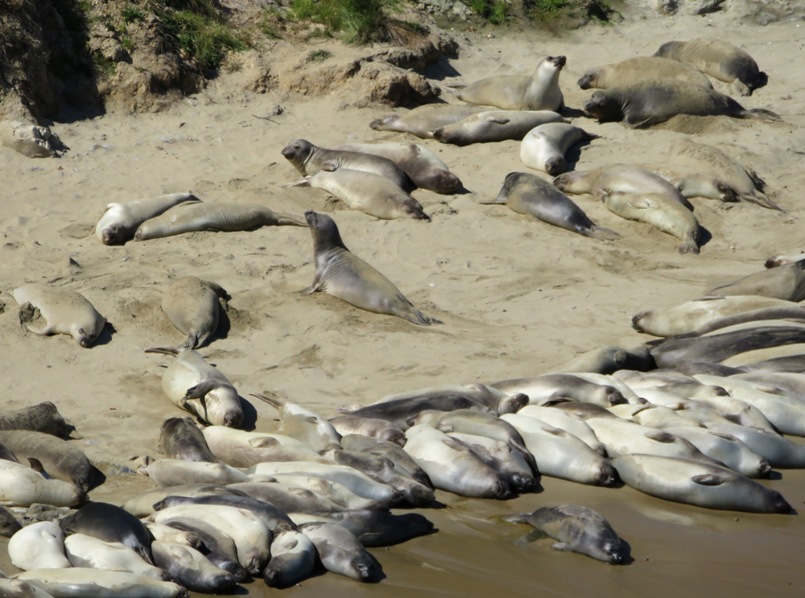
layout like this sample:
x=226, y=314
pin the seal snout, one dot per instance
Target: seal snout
x=559, y=61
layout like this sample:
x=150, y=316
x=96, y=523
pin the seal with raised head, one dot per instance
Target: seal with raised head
x=64, y=311
x=578, y=529
x=494, y=125
x=652, y=102
x=423, y=120
x=539, y=91
x=121, y=220
x=309, y=159
x=213, y=217
x=344, y=275
x=718, y=59
x=544, y=147
x=641, y=68
x=530, y=195
x=193, y=306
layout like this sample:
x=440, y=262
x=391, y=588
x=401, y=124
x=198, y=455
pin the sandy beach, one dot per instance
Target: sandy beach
x=517, y=297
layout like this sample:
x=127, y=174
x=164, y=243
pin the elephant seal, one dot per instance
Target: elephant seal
x=200, y=388
x=193, y=306
x=110, y=523
x=372, y=427
x=530, y=195
x=561, y=385
x=422, y=121
x=657, y=210
x=9, y=524
x=42, y=417
x=341, y=552
x=712, y=173
x=275, y=519
x=344, y=275
x=540, y=91
x=544, y=147
x=578, y=529
x=89, y=582
x=121, y=220
x=239, y=448
x=214, y=217
x=219, y=548
x=774, y=261
x=641, y=68
x=187, y=566
x=38, y=546
x=64, y=311
x=84, y=550
x=373, y=528
x=181, y=438
x=423, y=167
x=17, y=588
x=366, y=192
x=494, y=125
x=513, y=468
x=786, y=283
x=697, y=483
x=652, y=102
x=174, y=472
x=309, y=159
x=293, y=559
x=22, y=486
x=301, y=423
x=725, y=449
x=718, y=59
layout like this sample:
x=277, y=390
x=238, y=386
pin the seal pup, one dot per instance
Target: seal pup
x=366, y=192
x=718, y=59
x=174, y=472
x=309, y=159
x=181, y=438
x=341, y=552
x=425, y=169
x=544, y=147
x=530, y=195
x=786, y=283
x=193, y=306
x=219, y=548
x=213, y=217
x=663, y=214
x=42, y=417
x=423, y=120
x=293, y=559
x=712, y=173
x=84, y=550
x=342, y=274
x=652, y=102
x=578, y=529
x=121, y=220
x=17, y=588
x=494, y=125
x=371, y=527
x=239, y=448
x=640, y=68
x=39, y=545
x=540, y=91
x=202, y=389
x=9, y=524
x=89, y=582
x=275, y=519
x=63, y=311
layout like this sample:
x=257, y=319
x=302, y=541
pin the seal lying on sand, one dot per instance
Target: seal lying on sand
x=544, y=147
x=718, y=59
x=121, y=220
x=494, y=125
x=342, y=274
x=785, y=282
x=641, y=68
x=215, y=217
x=193, y=306
x=652, y=102
x=422, y=121
x=540, y=91
x=528, y=194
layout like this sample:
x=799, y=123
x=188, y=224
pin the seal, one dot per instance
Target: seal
x=530, y=195
x=779, y=451
x=544, y=147
x=213, y=217
x=709, y=172
x=403, y=462
x=220, y=548
x=423, y=120
x=720, y=60
x=342, y=274
x=578, y=529
x=341, y=552
x=666, y=215
x=181, y=438
x=697, y=483
x=373, y=427
x=9, y=524
x=540, y=91
x=272, y=517
x=570, y=423
x=512, y=466
x=64, y=311
x=373, y=528
x=174, y=472
x=121, y=220
x=17, y=588
x=301, y=423
x=425, y=169
x=200, y=388
x=783, y=259
x=89, y=582
x=39, y=545
x=293, y=559
x=726, y=449
x=42, y=417
x=110, y=523
x=786, y=283
x=292, y=497
x=239, y=448
x=309, y=159
x=84, y=550
x=22, y=486
x=187, y=566
x=641, y=68
x=547, y=387
x=652, y=102
x=494, y=125
x=366, y=192
x=193, y=306
x=142, y=505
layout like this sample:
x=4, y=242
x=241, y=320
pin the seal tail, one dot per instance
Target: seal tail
x=284, y=219
x=762, y=114
x=603, y=234
x=267, y=398
x=164, y=350
x=760, y=199
x=303, y=182
x=689, y=246
x=417, y=317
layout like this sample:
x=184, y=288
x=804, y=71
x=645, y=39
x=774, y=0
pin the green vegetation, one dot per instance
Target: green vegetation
x=357, y=21
x=319, y=55
x=131, y=13
x=205, y=39
x=494, y=11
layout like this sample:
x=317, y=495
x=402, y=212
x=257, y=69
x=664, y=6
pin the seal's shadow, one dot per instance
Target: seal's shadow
x=105, y=337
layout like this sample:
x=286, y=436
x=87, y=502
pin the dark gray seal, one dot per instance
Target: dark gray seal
x=342, y=274
x=652, y=102
x=578, y=529
x=530, y=195
x=219, y=547
x=190, y=568
x=375, y=528
x=9, y=524
x=42, y=417
x=193, y=306
x=293, y=559
x=181, y=438
x=341, y=552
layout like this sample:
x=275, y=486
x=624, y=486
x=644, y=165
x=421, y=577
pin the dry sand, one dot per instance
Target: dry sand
x=517, y=297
